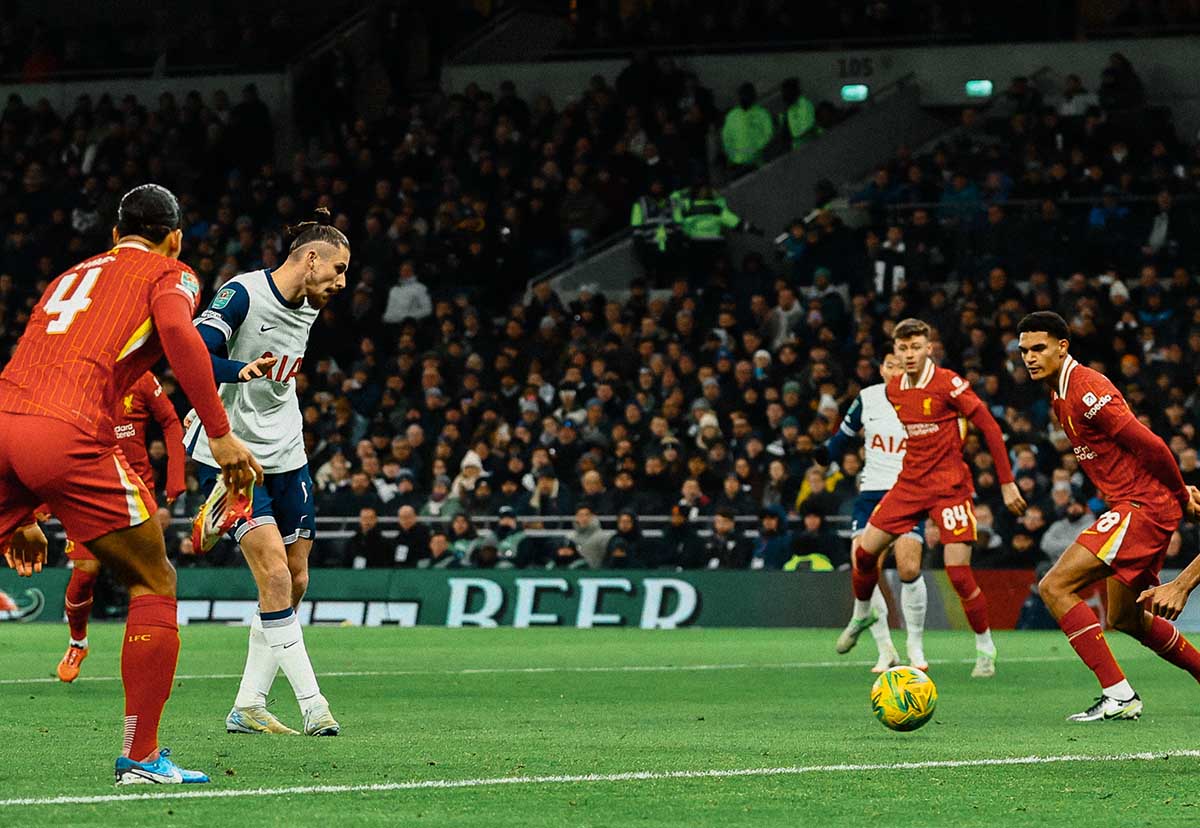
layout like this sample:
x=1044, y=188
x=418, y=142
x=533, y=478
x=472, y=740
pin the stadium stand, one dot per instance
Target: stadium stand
x=435, y=383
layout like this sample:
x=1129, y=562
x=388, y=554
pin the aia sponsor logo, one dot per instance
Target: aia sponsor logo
x=888, y=444
x=1096, y=404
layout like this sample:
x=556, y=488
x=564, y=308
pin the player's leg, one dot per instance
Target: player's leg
x=137, y=556
x=974, y=604
x=913, y=597
x=265, y=553
x=318, y=720
x=1157, y=634
x=1061, y=589
x=78, y=603
x=103, y=503
x=877, y=616
x=865, y=557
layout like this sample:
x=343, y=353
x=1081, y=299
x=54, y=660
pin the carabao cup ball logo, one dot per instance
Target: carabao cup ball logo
x=903, y=698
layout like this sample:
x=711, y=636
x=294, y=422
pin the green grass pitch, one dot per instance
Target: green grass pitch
x=456, y=705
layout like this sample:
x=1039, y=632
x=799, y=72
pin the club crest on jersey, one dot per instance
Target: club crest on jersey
x=189, y=283
x=927, y=406
x=222, y=298
x=127, y=401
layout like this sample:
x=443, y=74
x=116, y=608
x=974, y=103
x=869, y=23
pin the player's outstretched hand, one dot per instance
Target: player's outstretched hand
x=26, y=551
x=1012, y=499
x=238, y=465
x=1166, y=600
x=257, y=369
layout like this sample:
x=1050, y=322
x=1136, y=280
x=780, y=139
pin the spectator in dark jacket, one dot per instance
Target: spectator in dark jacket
x=628, y=548
x=441, y=556
x=815, y=547
x=681, y=544
x=368, y=548
x=774, y=547
x=726, y=548
x=352, y=499
x=412, y=539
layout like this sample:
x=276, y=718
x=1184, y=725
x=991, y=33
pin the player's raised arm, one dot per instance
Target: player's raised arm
x=970, y=406
x=217, y=325
x=172, y=313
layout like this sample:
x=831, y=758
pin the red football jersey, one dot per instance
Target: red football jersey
x=931, y=411
x=91, y=337
x=146, y=400
x=1091, y=410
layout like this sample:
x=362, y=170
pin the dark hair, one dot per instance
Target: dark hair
x=317, y=230
x=150, y=211
x=1045, y=322
x=908, y=328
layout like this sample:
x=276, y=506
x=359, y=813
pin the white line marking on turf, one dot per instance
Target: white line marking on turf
x=633, y=776
x=631, y=668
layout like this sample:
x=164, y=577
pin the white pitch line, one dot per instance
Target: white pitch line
x=632, y=776
x=631, y=668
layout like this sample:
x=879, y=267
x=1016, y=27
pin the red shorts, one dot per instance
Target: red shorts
x=1132, y=540
x=905, y=504
x=87, y=485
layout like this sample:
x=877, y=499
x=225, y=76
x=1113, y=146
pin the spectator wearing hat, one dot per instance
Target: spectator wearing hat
x=440, y=504
x=412, y=539
x=568, y=405
x=485, y=554
x=565, y=555
x=774, y=546
x=549, y=497
x=513, y=542
x=470, y=471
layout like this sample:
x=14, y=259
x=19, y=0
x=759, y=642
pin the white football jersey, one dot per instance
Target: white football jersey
x=883, y=440
x=252, y=316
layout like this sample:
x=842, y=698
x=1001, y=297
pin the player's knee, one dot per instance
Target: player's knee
x=160, y=578
x=1047, y=588
x=1129, y=623
x=908, y=570
x=864, y=561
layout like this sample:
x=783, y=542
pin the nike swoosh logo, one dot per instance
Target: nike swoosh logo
x=959, y=531
x=293, y=644
x=265, y=328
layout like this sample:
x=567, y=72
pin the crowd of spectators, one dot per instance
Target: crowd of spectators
x=662, y=23
x=434, y=391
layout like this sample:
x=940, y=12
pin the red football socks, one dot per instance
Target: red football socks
x=1164, y=639
x=148, y=660
x=865, y=575
x=1085, y=634
x=79, y=602
x=974, y=603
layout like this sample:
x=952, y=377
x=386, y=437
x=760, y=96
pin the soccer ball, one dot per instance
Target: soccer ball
x=903, y=698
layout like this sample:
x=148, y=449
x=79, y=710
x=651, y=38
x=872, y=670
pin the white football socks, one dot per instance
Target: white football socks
x=1121, y=691
x=260, y=671
x=914, y=601
x=861, y=609
x=879, y=630
x=983, y=642
x=286, y=640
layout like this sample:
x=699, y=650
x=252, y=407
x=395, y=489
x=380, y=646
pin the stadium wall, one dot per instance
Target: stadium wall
x=657, y=599
x=1166, y=66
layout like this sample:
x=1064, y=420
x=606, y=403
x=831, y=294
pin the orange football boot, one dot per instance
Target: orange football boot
x=68, y=668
